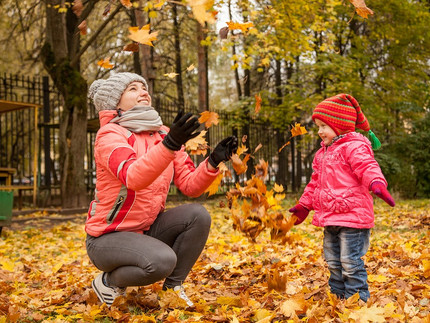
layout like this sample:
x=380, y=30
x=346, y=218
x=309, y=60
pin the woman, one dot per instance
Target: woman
x=131, y=238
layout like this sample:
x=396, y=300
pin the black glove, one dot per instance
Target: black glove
x=181, y=131
x=223, y=151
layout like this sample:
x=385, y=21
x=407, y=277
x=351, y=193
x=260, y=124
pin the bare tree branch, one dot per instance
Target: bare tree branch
x=75, y=59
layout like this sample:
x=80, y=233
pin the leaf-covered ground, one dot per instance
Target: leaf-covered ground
x=45, y=275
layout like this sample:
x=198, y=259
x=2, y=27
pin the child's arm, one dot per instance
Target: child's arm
x=367, y=169
x=380, y=190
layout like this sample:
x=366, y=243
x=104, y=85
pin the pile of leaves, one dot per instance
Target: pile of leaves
x=45, y=274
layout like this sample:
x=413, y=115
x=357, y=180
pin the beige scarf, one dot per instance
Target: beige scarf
x=138, y=119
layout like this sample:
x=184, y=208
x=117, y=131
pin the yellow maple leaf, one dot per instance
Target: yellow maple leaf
x=241, y=149
x=368, y=314
x=197, y=145
x=200, y=10
x=278, y=188
x=171, y=75
x=377, y=278
x=209, y=118
x=294, y=306
x=213, y=188
x=142, y=35
x=105, y=63
x=190, y=68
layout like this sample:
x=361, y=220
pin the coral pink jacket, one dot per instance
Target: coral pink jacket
x=340, y=184
x=134, y=172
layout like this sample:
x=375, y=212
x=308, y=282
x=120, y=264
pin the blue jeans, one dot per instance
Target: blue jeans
x=343, y=249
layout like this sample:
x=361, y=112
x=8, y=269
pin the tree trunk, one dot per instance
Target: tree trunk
x=146, y=53
x=178, y=56
x=62, y=36
x=281, y=175
x=202, y=58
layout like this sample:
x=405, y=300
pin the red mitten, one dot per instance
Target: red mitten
x=300, y=212
x=379, y=189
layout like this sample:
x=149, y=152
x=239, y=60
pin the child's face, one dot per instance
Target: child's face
x=135, y=94
x=325, y=132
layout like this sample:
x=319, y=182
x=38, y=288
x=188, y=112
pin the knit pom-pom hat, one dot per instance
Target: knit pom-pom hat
x=106, y=94
x=343, y=114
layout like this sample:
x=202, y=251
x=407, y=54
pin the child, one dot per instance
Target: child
x=131, y=238
x=344, y=173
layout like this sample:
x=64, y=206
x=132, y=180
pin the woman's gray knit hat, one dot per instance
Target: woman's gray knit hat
x=106, y=94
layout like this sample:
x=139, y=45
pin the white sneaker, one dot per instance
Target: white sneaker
x=106, y=294
x=181, y=293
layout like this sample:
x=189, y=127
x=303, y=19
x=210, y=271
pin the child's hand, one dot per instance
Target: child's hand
x=300, y=212
x=379, y=189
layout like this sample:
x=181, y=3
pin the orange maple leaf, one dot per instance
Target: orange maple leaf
x=361, y=8
x=213, y=188
x=298, y=130
x=240, y=166
x=209, y=118
x=126, y=3
x=257, y=103
x=285, y=145
x=242, y=26
x=105, y=63
x=142, y=35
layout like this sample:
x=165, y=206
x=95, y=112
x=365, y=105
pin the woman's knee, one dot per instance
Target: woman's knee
x=200, y=214
x=163, y=264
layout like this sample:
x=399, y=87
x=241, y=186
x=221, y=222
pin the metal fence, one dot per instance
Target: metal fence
x=17, y=129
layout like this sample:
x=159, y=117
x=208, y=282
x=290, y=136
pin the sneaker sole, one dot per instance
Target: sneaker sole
x=100, y=295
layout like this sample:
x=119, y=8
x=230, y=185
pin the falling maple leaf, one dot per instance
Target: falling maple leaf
x=258, y=147
x=213, y=188
x=361, y=8
x=105, y=63
x=241, y=26
x=200, y=10
x=132, y=47
x=240, y=166
x=223, y=32
x=283, y=146
x=142, y=35
x=257, y=103
x=209, y=118
x=298, y=130
x=241, y=149
x=190, y=68
x=171, y=75
x=197, y=145
x=83, y=27
x=126, y=3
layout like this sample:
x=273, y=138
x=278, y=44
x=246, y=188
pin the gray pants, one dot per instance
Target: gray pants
x=168, y=249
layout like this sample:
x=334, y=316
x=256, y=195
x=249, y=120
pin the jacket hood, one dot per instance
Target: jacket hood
x=106, y=115
x=350, y=136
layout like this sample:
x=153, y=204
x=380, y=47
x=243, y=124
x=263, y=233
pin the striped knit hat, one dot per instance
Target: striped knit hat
x=343, y=114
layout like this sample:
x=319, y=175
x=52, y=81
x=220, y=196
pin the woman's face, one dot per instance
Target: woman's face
x=325, y=132
x=135, y=94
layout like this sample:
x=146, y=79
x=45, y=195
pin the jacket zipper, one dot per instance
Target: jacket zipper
x=322, y=170
x=118, y=204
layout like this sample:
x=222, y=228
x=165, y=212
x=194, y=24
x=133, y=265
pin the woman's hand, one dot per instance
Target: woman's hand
x=223, y=151
x=181, y=131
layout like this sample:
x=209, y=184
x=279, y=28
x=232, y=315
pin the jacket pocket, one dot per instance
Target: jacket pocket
x=115, y=209
x=339, y=203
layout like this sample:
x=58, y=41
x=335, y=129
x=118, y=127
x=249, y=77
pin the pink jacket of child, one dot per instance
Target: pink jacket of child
x=339, y=188
x=134, y=172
